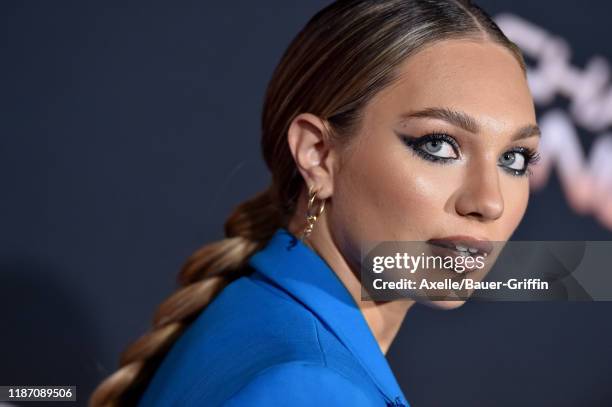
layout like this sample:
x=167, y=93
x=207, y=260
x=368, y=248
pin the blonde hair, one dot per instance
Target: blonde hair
x=344, y=55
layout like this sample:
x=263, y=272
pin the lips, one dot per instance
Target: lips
x=465, y=245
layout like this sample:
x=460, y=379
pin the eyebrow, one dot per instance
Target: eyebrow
x=465, y=121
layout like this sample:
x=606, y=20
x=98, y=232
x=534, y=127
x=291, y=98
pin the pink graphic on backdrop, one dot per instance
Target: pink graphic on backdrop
x=586, y=180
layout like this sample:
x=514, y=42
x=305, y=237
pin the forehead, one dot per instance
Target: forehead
x=480, y=78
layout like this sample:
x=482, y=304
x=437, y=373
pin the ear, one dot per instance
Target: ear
x=310, y=144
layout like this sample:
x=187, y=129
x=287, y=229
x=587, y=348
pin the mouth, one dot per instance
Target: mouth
x=464, y=245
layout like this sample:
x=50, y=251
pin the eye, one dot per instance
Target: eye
x=513, y=160
x=517, y=161
x=439, y=148
x=434, y=147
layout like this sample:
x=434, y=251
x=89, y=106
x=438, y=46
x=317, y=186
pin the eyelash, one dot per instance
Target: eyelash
x=531, y=156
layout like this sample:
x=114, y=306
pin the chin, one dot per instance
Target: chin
x=445, y=305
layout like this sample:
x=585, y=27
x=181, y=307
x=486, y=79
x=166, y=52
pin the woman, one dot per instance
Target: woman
x=404, y=120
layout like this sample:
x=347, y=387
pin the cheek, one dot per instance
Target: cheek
x=516, y=197
x=385, y=192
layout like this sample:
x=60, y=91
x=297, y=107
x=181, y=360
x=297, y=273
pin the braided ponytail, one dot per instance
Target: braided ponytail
x=202, y=277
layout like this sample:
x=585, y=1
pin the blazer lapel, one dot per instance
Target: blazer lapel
x=300, y=271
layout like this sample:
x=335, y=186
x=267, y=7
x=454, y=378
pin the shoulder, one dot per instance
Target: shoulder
x=301, y=384
x=250, y=312
x=264, y=346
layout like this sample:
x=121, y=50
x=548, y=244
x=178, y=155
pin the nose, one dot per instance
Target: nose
x=480, y=196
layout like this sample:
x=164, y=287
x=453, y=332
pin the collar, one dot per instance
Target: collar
x=300, y=271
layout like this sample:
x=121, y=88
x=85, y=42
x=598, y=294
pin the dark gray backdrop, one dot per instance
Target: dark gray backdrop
x=127, y=134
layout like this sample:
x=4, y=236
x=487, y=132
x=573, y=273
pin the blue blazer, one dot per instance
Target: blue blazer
x=287, y=334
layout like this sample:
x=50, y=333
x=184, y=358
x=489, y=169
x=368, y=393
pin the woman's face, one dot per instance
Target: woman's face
x=442, y=152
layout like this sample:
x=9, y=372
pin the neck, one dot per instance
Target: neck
x=383, y=318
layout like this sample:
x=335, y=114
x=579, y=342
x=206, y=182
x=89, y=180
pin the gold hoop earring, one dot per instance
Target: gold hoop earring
x=312, y=212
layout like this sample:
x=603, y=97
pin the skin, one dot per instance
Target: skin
x=395, y=194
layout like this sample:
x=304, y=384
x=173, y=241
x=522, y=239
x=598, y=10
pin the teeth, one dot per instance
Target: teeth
x=466, y=249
